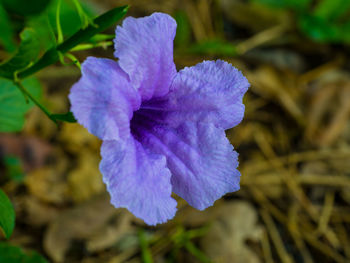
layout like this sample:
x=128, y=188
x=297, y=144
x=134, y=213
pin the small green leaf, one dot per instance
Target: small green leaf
x=100, y=24
x=67, y=117
x=7, y=216
x=7, y=33
x=27, y=52
x=13, y=254
x=13, y=105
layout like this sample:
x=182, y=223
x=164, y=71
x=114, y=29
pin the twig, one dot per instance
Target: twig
x=261, y=38
x=276, y=239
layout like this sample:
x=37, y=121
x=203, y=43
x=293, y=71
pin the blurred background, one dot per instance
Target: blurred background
x=294, y=141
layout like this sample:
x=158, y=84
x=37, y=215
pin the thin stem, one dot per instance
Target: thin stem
x=84, y=18
x=74, y=59
x=81, y=13
x=58, y=23
x=103, y=44
x=18, y=83
x=146, y=253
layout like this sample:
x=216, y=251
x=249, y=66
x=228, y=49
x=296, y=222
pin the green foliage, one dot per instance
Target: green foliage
x=25, y=7
x=13, y=168
x=44, y=31
x=70, y=21
x=7, y=216
x=26, y=54
x=328, y=21
x=41, y=37
x=13, y=254
x=7, y=34
x=183, y=32
x=67, y=117
x=13, y=105
x=321, y=30
x=294, y=4
x=183, y=239
x=331, y=9
x=101, y=23
x=145, y=250
x=70, y=17
x=214, y=47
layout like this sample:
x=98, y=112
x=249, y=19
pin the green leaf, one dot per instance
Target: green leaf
x=7, y=216
x=25, y=7
x=44, y=30
x=183, y=32
x=100, y=24
x=67, y=117
x=13, y=168
x=214, y=47
x=13, y=105
x=321, y=30
x=70, y=19
x=13, y=254
x=33, y=257
x=331, y=9
x=26, y=54
x=7, y=34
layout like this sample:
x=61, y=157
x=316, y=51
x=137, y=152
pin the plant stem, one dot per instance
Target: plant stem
x=103, y=44
x=51, y=56
x=58, y=23
x=37, y=103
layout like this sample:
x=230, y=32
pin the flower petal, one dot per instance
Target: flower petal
x=103, y=100
x=211, y=91
x=137, y=180
x=199, y=156
x=144, y=47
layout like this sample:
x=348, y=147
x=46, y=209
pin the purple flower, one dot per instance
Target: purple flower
x=163, y=131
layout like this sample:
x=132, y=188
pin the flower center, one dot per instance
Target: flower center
x=145, y=118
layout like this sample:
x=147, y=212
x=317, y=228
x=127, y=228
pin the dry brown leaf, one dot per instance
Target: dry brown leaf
x=86, y=180
x=109, y=235
x=39, y=213
x=226, y=239
x=80, y=222
x=75, y=138
x=48, y=185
